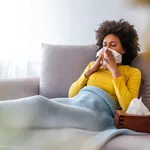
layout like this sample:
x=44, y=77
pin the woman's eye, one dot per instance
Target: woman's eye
x=113, y=45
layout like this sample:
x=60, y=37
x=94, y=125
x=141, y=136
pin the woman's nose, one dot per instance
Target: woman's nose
x=107, y=46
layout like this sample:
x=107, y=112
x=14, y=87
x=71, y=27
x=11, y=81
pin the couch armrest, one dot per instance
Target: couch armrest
x=18, y=87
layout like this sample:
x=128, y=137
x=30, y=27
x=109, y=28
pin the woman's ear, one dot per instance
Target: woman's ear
x=123, y=51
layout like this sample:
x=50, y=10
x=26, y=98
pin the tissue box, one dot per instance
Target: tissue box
x=133, y=122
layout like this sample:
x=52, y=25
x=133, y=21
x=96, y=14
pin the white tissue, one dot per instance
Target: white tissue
x=136, y=107
x=117, y=56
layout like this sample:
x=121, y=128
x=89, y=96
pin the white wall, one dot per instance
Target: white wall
x=74, y=21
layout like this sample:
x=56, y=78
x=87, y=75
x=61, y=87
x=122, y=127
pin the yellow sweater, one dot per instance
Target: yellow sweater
x=122, y=89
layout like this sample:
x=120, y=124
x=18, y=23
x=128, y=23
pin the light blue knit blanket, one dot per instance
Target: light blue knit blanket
x=91, y=109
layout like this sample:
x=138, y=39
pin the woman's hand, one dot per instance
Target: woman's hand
x=97, y=64
x=111, y=63
x=95, y=67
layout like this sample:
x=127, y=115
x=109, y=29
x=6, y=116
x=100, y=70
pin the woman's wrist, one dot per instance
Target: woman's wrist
x=88, y=73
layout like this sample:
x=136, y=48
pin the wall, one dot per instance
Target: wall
x=74, y=21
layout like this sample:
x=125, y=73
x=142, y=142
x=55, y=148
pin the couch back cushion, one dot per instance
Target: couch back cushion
x=142, y=61
x=61, y=66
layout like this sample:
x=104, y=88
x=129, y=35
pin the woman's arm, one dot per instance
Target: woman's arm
x=127, y=91
x=81, y=82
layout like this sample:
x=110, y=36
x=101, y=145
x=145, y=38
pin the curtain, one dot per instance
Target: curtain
x=24, y=25
x=17, y=56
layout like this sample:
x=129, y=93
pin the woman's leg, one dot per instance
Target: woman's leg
x=40, y=112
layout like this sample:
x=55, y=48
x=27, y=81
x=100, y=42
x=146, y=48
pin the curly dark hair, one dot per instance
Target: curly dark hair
x=127, y=35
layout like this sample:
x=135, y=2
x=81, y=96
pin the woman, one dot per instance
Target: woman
x=120, y=81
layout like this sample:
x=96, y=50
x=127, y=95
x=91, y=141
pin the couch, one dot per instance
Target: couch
x=61, y=66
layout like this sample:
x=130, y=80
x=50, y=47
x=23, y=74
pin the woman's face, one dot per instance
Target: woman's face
x=113, y=42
